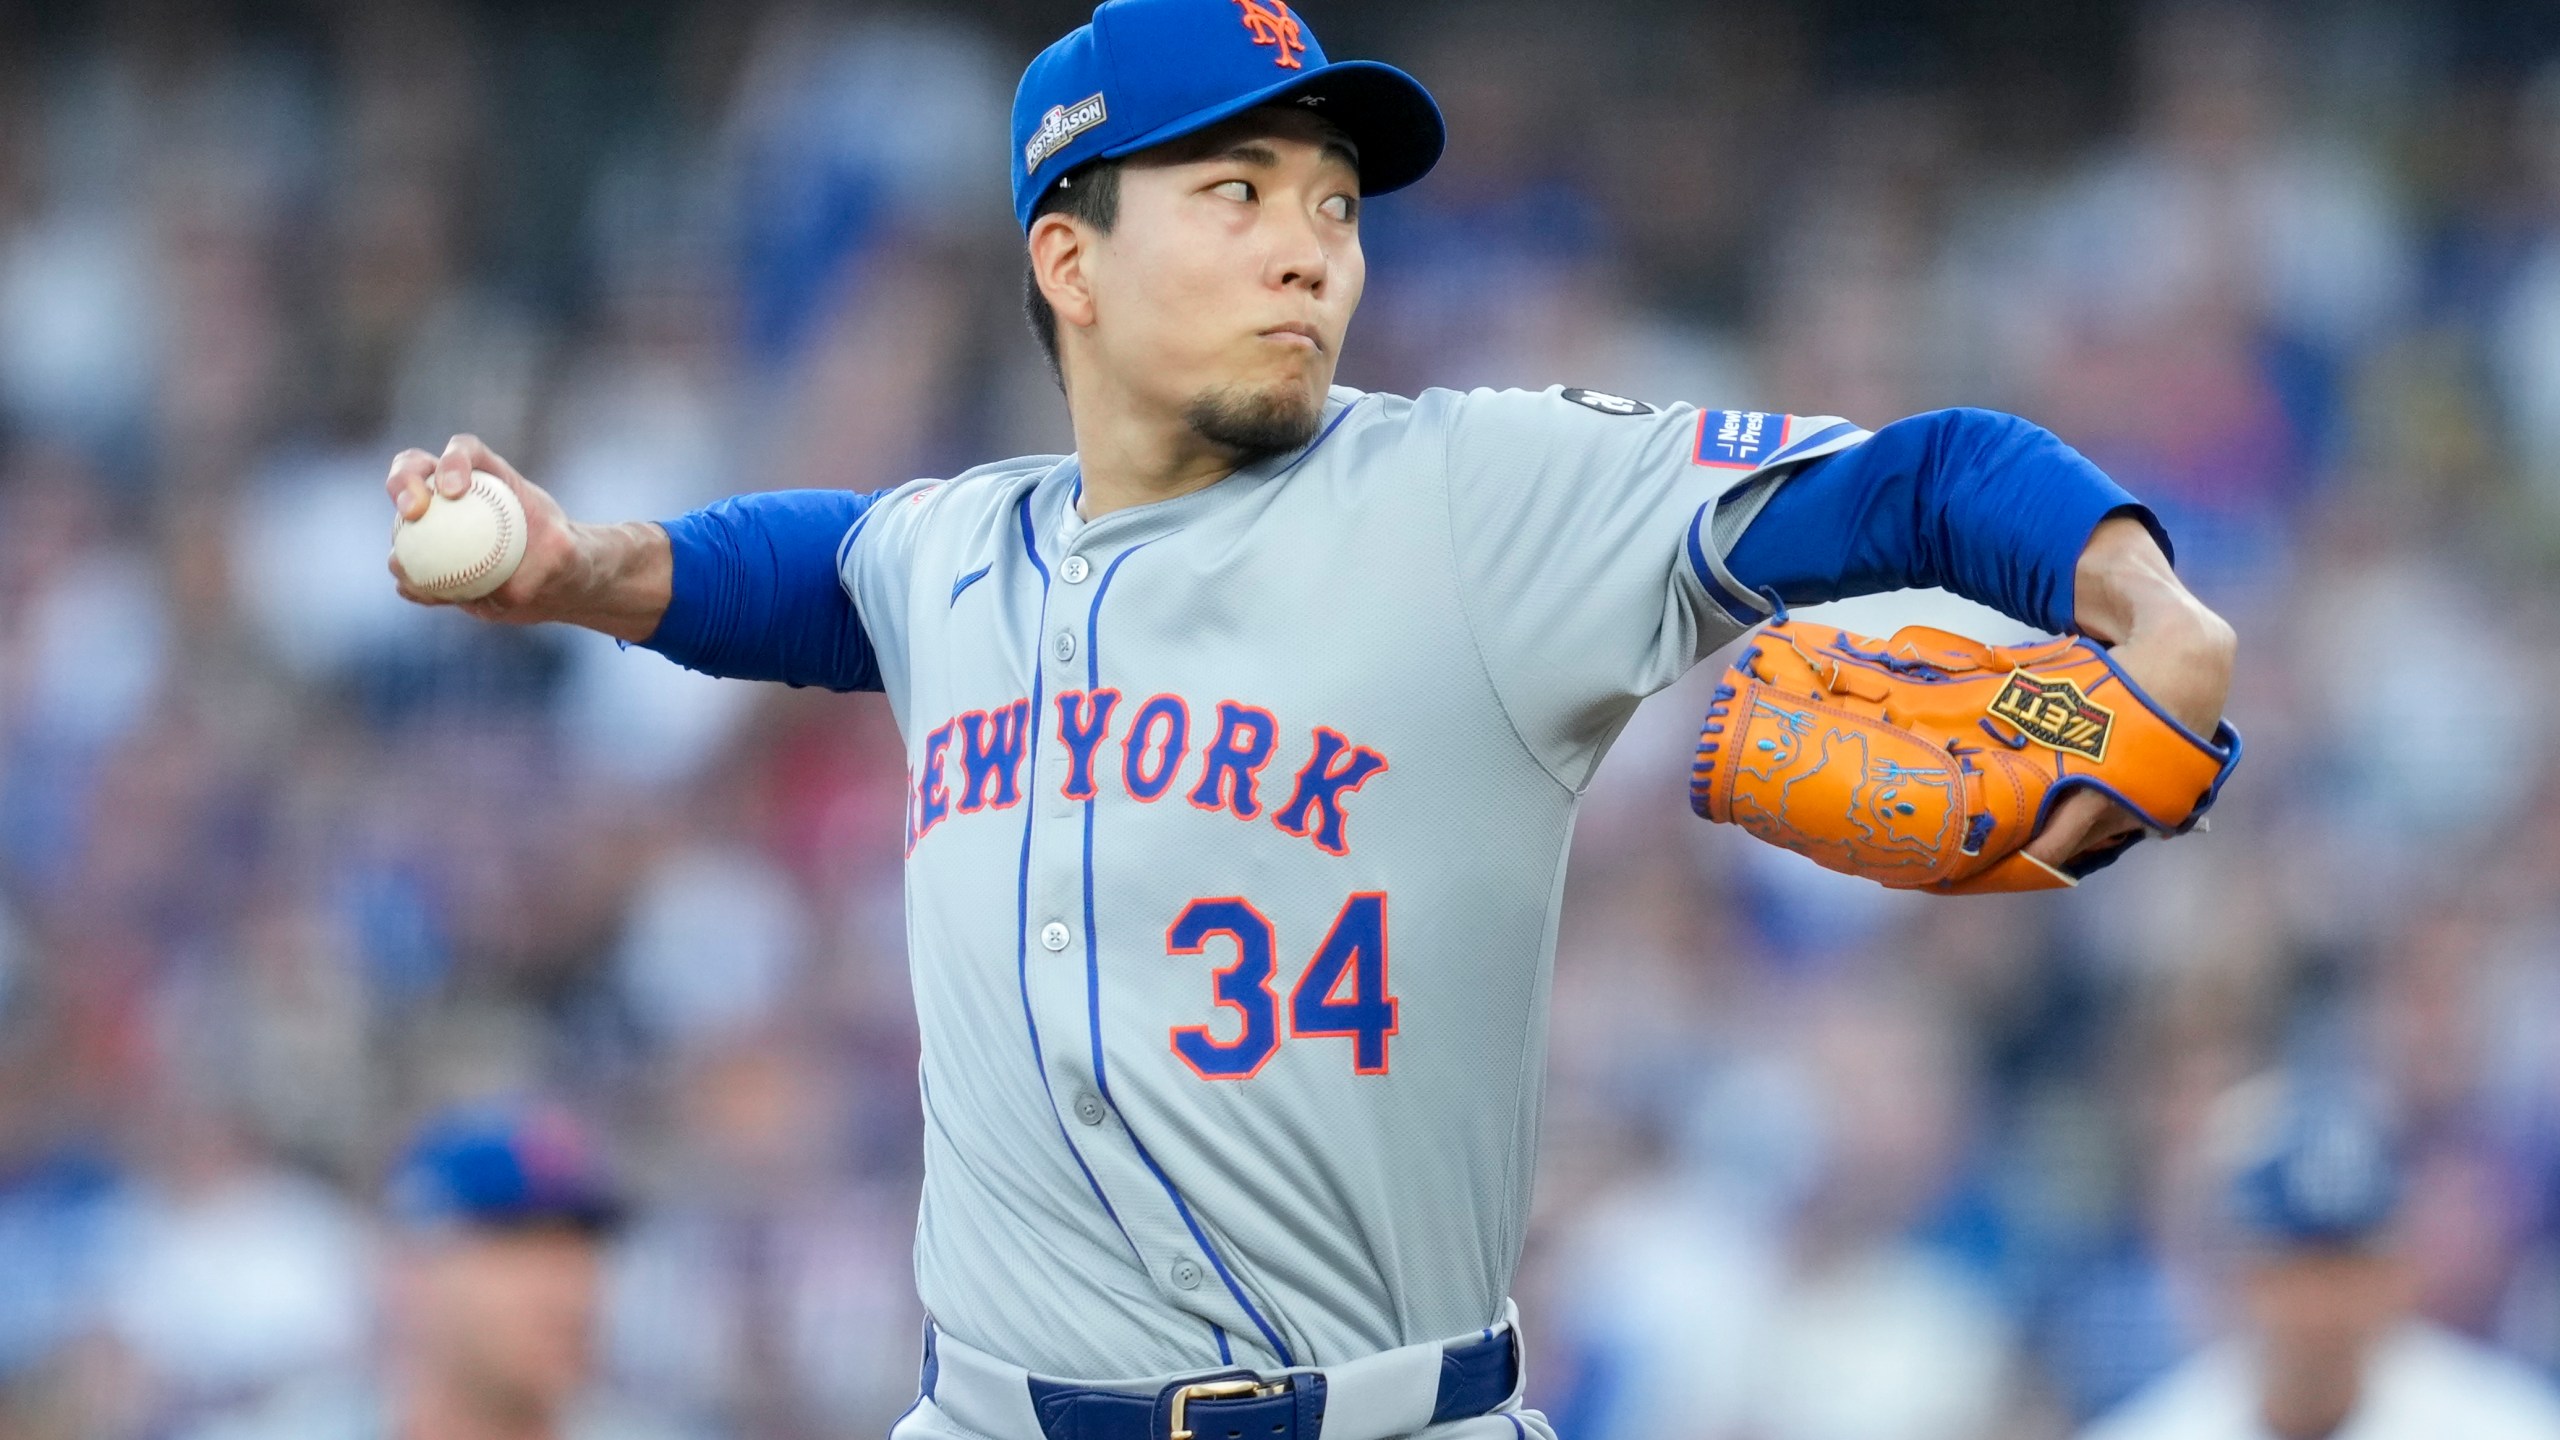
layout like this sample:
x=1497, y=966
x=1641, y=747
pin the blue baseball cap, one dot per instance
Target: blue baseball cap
x=2321, y=1175
x=505, y=1166
x=1147, y=71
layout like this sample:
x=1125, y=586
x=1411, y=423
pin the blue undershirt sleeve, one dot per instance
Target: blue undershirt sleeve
x=1990, y=506
x=757, y=594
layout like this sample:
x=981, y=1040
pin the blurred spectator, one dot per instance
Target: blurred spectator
x=491, y=1294
x=764, y=1286
x=1779, y=1290
x=849, y=209
x=2524, y=338
x=2327, y=1341
x=2195, y=300
x=703, y=901
x=236, y=1275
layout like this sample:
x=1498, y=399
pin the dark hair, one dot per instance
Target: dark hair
x=1090, y=193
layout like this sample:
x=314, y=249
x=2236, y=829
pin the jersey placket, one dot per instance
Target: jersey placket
x=1063, y=982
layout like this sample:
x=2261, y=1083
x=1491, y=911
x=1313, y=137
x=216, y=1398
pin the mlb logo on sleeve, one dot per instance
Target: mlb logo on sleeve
x=1740, y=439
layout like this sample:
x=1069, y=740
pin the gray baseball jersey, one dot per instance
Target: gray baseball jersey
x=1236, y=836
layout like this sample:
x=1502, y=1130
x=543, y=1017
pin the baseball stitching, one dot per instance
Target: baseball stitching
x=506, y=531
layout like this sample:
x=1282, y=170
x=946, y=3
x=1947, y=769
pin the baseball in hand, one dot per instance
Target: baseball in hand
x=463, y=548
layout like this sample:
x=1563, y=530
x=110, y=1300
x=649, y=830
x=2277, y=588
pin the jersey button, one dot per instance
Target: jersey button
x=1053, y=936
x=1064, y=647
x=1074, y=569
x=1089, y=1108
x=1186, y=1275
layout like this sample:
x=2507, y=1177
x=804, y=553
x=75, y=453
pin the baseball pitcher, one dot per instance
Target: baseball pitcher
x=1244, y=744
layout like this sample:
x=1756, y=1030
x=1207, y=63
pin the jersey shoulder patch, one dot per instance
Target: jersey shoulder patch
x=1740, y=439
x=1604, y=402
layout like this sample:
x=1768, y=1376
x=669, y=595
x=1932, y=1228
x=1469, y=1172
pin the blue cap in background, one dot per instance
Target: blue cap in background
x=1147, y=71
x=505, y=1166
x=2322, y=1173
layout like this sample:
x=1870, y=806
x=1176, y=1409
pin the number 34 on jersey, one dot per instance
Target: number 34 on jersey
x=1342, y=992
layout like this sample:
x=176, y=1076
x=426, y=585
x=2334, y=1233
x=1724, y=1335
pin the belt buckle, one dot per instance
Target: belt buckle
x=1217, y=1390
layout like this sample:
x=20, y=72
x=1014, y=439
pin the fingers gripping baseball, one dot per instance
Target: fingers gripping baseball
x=542, y=560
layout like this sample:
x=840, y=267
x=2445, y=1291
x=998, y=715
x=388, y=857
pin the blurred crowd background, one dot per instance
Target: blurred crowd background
x=286, y=865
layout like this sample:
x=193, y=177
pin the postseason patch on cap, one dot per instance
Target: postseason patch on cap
x=1740, y=439
x=1062, y=124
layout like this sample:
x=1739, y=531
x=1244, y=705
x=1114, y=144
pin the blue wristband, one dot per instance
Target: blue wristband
x=756, y=592
x=1987, y=505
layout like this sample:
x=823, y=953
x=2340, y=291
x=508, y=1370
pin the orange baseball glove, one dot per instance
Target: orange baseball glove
x=1929, y=761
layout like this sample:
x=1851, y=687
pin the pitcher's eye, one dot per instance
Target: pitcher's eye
x=1240, y=191
x=1340, y=207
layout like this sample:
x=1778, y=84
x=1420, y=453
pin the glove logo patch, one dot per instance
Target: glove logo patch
x=2054, y=712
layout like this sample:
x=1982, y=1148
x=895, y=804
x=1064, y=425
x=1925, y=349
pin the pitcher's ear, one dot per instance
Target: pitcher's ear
x=1059, y=249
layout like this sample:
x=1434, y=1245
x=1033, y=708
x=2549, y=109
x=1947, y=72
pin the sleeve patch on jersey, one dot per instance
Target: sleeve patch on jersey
x=1740, y=439
x=1606, y=403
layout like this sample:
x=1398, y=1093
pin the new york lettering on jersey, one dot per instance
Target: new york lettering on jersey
x=1153, y=757
x=1235, y=827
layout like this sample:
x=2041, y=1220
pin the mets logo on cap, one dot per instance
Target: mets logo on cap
x=1271, y=24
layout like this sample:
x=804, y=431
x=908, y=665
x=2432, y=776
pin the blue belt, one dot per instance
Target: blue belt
x=1476, y=1377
